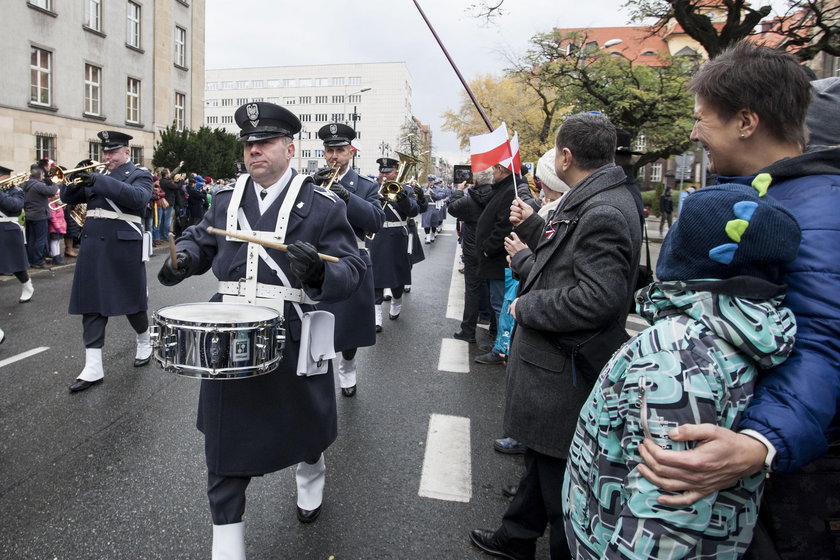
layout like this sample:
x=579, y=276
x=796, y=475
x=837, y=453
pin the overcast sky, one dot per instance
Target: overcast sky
x=247, y=33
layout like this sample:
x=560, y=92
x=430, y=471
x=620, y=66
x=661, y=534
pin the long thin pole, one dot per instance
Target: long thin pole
x=458, y=72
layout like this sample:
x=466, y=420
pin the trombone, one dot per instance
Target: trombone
x=60, y=175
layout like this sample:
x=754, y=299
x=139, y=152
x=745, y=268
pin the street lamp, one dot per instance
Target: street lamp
x=355, y=118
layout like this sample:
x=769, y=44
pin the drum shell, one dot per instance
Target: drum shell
x=217, y=349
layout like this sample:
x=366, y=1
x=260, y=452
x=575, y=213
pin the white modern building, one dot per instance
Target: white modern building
x=377, y=94
x=71, y=69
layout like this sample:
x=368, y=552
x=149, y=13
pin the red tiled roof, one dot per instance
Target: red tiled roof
x=637, y=42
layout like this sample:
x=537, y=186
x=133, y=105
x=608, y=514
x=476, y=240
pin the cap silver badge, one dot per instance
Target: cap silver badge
x=105, y=135
x=253, y=111
x=333, y=129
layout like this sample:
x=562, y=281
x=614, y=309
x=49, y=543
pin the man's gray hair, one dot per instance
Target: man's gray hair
x=483, y=177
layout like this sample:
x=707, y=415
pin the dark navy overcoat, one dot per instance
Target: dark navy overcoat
x=389, y=249
x=355, y=324
x=110, y=275
x=262, y=424
x=12, y=250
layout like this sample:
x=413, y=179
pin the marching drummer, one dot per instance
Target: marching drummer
x=258, y=425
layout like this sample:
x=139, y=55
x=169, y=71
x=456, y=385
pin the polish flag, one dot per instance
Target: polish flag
x=514, y=163
x=487, y=150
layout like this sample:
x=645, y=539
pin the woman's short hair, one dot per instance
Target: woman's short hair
x=766, y=81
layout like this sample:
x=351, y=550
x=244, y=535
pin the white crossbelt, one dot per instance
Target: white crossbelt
x=394, y=224
x=8, y=219
x=109, y=215
x=269, y=291
x=360, y=243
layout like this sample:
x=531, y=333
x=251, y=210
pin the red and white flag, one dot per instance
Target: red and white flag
x=514, y=163
x=487, y=150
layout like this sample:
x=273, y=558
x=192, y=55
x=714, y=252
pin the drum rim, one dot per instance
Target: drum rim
x=277, y=318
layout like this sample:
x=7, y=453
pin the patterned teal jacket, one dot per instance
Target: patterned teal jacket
x=696, y=364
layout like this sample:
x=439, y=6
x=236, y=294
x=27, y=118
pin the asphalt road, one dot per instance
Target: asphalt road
x=118, y=471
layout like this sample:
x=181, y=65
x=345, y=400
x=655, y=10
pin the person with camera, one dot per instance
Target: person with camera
x=110, y=273
x=354, y=316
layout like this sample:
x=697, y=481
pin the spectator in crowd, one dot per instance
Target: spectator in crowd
x=166, y=205
x=37, y=192
x=196, y=201
x=57, y=229
x=752, y=122
x=717, y=320
x=573, y=301
x=666, y=209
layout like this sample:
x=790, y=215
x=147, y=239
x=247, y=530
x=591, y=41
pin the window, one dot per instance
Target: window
x=256, y=99
x=338, y=81
x=132, y=34
x=305, y=117
x=354, y=98
x=321, y=117
x=243, y=84
x=93, y=89
x=656, y=172
x=180, y=46
x=40, y=76
x=137, y=154
x=45, y=4
x=227, y=102
x=229, y=85
x=241, y=101
x=306, y=82
x=305, y=99
x=212, y=120
x=321, y=82
x=227, y=119
x=306, y=153
x=44, y=146
x=211, y=103
x=275, y=100
x=288, y=101
x=289, y=83
x=95, y=150
x=354, y=81
x=273, y=83
x=132, y=100
x=641, y=143
x=211, y=86
x=319, y=153
x=337, y=117
x=93, y=15
x=321, y=98
x=338, y=99
x=180, y=110
x=257, y=84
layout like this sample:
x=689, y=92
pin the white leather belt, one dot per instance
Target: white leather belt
x=109, y=215
x=267, y=291
x=393, y=224
x=360, y=243
x=8, y=219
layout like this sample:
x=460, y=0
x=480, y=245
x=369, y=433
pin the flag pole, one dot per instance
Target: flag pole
x=457, y=72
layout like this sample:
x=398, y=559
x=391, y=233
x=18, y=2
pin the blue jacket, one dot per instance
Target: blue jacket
x=796, y=404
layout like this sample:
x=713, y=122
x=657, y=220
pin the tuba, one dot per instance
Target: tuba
x=390, y=189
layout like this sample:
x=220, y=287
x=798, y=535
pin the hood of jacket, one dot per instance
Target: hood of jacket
x=761, y=329
x=818, y=160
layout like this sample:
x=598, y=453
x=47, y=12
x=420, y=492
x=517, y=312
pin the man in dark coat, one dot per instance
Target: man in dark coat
x=492, y=228
x=110, y=275
x=389, y=248
x=258, y=425
x=354, y=317
x=12, y=249
x=574, y=295
x=37, y=192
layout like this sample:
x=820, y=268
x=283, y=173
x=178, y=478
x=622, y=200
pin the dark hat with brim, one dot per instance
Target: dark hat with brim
x=111, y=139
x=386, y=165
x=262, y=121
x=622, y=143
x=336, y=134
x=5, y=170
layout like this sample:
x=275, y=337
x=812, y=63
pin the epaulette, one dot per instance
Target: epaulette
x=224, y=188
x=325, y=192
x=143, y=167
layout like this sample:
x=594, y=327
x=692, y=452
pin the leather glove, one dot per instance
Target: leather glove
x=305, y=263
x=322, y=176
x=339, y=190
x=401, y=195
x=82, y=179
x=418, y=193
x=169, y=276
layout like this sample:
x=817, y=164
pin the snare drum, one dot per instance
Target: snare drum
x=217, y=340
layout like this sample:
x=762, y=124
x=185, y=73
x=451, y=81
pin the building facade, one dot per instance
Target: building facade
x=374, y=98
x=75, y=68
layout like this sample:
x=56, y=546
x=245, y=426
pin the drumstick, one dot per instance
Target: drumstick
x=172, y=255
x=264, y=243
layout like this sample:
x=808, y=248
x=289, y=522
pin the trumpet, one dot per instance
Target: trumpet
x=60, y=175
x=13, y=181
x=333, y=177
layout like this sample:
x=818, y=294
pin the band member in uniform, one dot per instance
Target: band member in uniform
x=389, y=249
x=354, y=320
x=258, y=425
x=388, y=172
x=431, y=217
x=12, y=249
x=110, y=275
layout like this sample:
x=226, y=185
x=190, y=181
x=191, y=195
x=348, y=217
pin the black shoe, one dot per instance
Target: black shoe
x=82, y=385
x=486, y=347
x=378, y=328
x=140, y=363
x=59, y=260
x=394, y=317
x=386, y=298
x=489, y=544
x=39, y=265
x=407, y=290
x=509, y=491
x=509, y=446
x=465, y=337
x=349, y=391
x=308, y=515
x=490, y=358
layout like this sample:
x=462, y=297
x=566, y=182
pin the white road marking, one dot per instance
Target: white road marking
x=23, y=355
x=455, y=304
x=447, y=467
x=454, y=356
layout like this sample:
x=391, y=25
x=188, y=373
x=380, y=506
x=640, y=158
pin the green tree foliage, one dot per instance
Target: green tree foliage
x=206, y=151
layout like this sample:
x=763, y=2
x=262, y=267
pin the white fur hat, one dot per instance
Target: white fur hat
x=545, y=173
